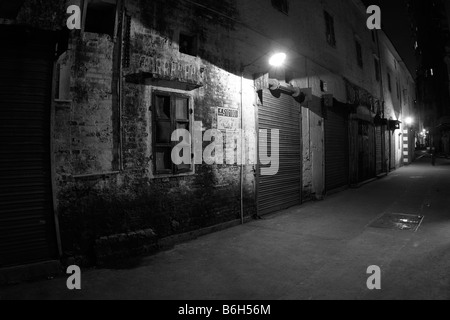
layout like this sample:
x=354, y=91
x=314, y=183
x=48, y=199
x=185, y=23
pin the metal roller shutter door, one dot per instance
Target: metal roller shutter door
x=283, y=190
x=336, y=151
x=392, y=150
x=27, y=230
x=379, y=148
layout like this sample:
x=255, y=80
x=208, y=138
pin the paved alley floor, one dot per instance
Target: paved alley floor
x=320, y=250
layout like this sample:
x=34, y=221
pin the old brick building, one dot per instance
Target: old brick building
x=137, y=70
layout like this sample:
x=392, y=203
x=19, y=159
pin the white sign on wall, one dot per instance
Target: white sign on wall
x=228, y=119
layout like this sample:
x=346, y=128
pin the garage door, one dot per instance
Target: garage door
x=27, y=229
x=282, y=190
x=336, y=150
x=392, y=150
x=379, y=148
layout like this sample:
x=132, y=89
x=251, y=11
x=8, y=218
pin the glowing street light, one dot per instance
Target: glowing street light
x=409, y=121
x=278, y=59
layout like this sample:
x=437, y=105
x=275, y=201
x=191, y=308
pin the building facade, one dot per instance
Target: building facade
x=432, y=38
x=101, y=104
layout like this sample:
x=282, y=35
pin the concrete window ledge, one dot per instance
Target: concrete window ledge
x=94, y=176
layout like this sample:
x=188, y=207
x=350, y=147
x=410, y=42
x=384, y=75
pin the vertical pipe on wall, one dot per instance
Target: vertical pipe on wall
x=242, y=148
x=308, y=115
x=53, y=162
x=382, y=103
x=117, y=87
x=120, y=83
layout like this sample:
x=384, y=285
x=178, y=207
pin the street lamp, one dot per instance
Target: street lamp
x=278, y=59
x=409, y=121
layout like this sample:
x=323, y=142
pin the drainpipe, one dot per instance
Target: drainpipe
x=383, y=132
x=242, y=146
x=308, y=113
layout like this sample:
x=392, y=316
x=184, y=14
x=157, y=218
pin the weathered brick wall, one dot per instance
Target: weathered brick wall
x=96, y=198
x=396, y=107
x=83, y=137
x=95, y=201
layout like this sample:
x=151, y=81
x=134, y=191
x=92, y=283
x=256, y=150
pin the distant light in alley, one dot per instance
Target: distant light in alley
x=277, y=60
x=409, y=121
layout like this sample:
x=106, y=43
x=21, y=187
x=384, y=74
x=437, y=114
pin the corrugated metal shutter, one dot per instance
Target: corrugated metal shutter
x=367, y=149
x=372, y=152
x=392, y=150
x=27, y=232
x=282, y=190
x=379, y=148
x=336, y=151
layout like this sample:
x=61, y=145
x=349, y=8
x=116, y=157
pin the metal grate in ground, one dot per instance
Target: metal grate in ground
x=398, y=221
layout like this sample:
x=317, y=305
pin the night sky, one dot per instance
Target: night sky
x=397, y=25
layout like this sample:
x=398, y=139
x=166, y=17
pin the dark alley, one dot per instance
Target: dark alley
x=224, y=150
x=318, y=251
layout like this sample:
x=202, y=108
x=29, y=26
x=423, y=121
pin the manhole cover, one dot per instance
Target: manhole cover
x=398, y=221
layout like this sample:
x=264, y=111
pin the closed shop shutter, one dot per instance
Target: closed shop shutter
x=283, y=190
x=372, y=152
x=393, y=150
x=379, y=149
x=336, y=150
x=367, y=147
x=387, y=148
x=27, y=230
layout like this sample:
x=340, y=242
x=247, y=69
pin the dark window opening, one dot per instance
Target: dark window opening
x=359, y=55
x=330, y=34
x=62, y=85
x=377, y=69
x=281, y=5
x=389, y=82
x=323, y=86
x=399, y=92
x=127, y=42
x=171, y=111
x=101, y=17
x=188, y=44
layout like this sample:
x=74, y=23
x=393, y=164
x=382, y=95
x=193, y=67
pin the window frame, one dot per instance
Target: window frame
x=359, y=54
x=376, y=62
x=173, y=95
x=389, y=82
x=194, y=44
x=330, y=31
x=62, y=79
